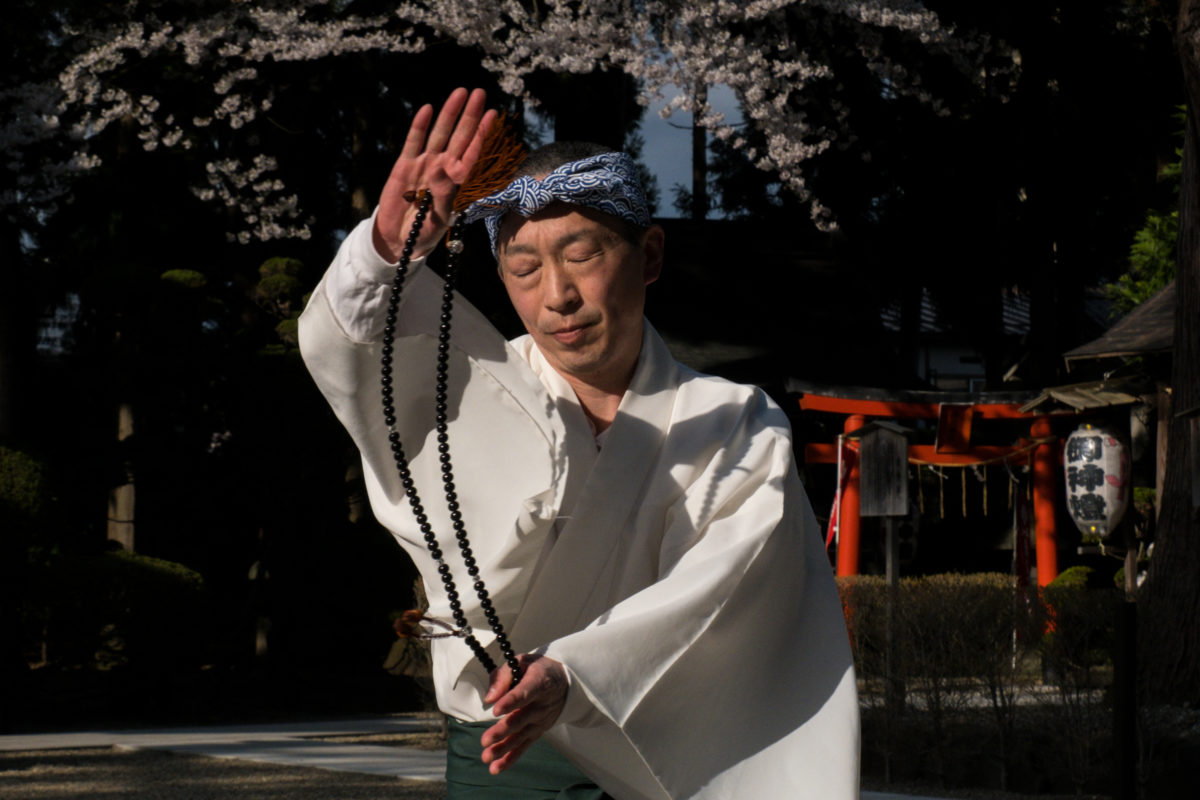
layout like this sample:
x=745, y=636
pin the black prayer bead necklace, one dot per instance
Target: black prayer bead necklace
x=454, y=247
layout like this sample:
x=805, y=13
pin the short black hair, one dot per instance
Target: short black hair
x=550, y=157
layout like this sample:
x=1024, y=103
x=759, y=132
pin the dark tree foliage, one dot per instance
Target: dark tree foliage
x=1037, y=186
x=240, y=469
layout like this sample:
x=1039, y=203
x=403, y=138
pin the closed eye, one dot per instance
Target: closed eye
x=522, y=269
x=579, y=258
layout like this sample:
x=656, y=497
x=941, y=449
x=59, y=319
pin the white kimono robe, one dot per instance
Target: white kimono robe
x=677, y=573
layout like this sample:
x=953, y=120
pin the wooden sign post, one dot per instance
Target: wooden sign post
x=883, y=485
x=883, y=493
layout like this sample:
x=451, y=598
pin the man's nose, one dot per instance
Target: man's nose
x=561, y=294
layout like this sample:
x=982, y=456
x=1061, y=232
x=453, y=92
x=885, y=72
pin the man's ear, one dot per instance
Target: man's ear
x=652, y=253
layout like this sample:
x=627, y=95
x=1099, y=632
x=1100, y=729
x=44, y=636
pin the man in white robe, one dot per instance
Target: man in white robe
x=641, y=528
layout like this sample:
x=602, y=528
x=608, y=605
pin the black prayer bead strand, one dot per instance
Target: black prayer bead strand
x=454, y=248
x=389, y=416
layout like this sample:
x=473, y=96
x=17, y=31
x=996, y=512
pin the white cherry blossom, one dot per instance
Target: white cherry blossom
x=752, y=46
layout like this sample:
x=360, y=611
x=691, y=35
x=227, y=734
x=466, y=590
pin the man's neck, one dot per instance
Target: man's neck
x=600, y=393
x=599, y=405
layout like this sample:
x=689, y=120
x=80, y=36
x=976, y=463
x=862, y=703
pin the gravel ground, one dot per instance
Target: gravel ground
x=420, y=741
x=116, y=774
x=111, y=774
x=931, y=790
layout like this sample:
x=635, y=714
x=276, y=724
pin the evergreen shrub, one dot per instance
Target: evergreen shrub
x=23, y=486
x=124, y=610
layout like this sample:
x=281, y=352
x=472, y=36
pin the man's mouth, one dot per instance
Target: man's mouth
x=570, y=334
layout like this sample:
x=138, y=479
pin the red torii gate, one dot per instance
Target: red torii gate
x=952, y=448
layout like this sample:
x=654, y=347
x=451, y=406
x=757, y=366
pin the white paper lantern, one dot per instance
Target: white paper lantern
x=1097, y=472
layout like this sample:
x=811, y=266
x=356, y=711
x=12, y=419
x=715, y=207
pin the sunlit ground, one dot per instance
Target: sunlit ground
x=109, y=774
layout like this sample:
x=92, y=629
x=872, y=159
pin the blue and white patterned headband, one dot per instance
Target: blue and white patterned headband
x=607, y=182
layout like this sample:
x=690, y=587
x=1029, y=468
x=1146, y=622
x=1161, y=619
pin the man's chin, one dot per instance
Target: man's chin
x=578, y=347
x=573, y=362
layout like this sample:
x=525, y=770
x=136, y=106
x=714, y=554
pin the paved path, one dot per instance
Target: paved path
x=289, y=744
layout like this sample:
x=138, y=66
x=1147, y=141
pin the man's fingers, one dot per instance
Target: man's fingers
x=526, y=694
x=508, y=739
x=424, y=163
x=468, y=125
x=508, y=759
x=502, y=730
x=414, y=143
x=446, y=120
x=526, y=710
x=500, y=681
x=515, y=698
x=530, y=691
x=461, y=169
x=504, y=742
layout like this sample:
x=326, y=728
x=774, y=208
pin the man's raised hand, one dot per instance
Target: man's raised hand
x=437, y=159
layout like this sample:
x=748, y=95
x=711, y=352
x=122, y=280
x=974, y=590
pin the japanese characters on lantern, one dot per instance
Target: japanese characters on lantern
x=1096, y=462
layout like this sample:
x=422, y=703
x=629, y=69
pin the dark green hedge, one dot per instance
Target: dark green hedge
x=120, y=609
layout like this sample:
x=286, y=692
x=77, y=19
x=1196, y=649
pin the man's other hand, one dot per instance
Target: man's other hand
x=527, y=710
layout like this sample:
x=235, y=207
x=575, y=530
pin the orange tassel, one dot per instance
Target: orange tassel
x=408, y=624
x=499, y=159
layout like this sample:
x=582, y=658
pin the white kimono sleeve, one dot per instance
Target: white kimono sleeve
x=497, y=418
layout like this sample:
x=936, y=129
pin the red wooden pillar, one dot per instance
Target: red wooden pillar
x=848, y=517
x=1045, y=485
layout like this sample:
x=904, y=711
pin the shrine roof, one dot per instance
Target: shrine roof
x=1149, y=328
